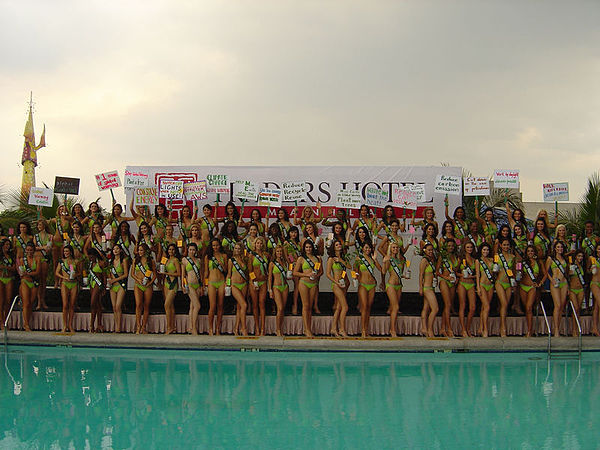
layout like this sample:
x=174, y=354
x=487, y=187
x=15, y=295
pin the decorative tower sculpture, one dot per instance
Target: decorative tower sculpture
x=29, y=158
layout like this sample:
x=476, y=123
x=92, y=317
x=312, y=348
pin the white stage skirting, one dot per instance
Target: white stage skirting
x=378, y=326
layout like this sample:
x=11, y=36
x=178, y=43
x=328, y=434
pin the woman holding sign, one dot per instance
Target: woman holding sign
x=504, y=267
x=237, y=278
x=68, y=272
x=116, y=218
x=427, y=285
x=557, y=272
x=7, y=275
x=259, y=262
x=337, y=268
x=93, y=215
x=308, y=269
x=118, y=273
x=143, y=272
x=255, y=219
x=208, y=225
x=308, y=216
x=231, y=213
x=366, y=219
x=488, y=223
x=485, y=285
x=215, y=272
x=185, y=221
x=393, y=264
x=170, y=268
x=458, y=220
x=277, y=285
x=367, y=284
x=192, y=284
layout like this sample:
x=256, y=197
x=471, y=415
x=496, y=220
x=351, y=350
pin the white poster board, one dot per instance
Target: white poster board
x=348, y=198
x=245, y=190
x=419, y=188
x=556, y=192
x=217, y=184
x=195, y=190
x=269, y=197
x=474, y=186
x=145, y=196
x=39, y=196
x=135, y=178
x=170, y=190
x=506, y=179
x=404, y=198
x=376, y=197
x=108, y=180
x=293, y=191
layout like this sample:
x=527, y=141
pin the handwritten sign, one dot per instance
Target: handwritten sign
x=293, y=191
x=508, y=179
x=269, y=197
x=348, y=198
x=376, y=197
x=170, y=189
x=135, y=178
x=556, y=192
x=448, y=184
x=147, y=195
x=195, y=190
x=474, y=186
x=419, y=188
x=108, y=180
x=66, y=185
x=41, y=196
x=404, y=198
x=245, y=190
x=217, y=184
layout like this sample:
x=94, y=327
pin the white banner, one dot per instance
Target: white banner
x=556, y=192
x=39, y=196
x=293, y=191
x=245, y=190
x=448, y=184
x=135, y=179
x=269, y=197
x=474, y=186
x=405, y=198
x=506, y=179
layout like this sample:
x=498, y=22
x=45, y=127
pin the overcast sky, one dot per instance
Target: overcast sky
x=480, y=84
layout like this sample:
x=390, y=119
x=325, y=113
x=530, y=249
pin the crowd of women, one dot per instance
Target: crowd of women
x=258, y=258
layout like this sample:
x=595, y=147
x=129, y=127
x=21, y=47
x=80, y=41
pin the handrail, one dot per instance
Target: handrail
x=14, y=302
x=578, y=327
x=547, y=327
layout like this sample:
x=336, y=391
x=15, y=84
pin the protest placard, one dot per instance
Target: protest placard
x=245, y=190
x=293, y=191
x=419, y=188
x=39, y=196
x=474, y=186
x=556, y=192
x=269, y=197
x=147, y=195
x=404, y=198
x=135, y=178
x=448, y=184
x=170, y=190
x=108, y=180
x=217, y=184
x=506, y=179
x=376, y=197
x=66, y=185
x=195, y=190
x=348, y=198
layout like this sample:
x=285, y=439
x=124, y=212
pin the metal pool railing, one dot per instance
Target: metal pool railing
x=548, y=329
x=580, y=344
x=12, y=307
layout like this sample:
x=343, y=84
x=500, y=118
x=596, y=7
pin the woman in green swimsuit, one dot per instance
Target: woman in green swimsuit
x=485, y=285
x=283, y=222
x=277, y=285
x=308, y=216
x=43, y=246
x=505, y=280
x=145, y=236
x=466, y=287
x=167, y=239
x=488, y=224
x=541, y=239
x=78, y=213
x=209, y=227
x=393, y=264
x=310, y=233
x=292, y=247
x=96, y=240
x=215, y=272
x=531, y=275
x=459, y=222
x=237, y=277
x=161, y=220
x=68, y=271
x=62, y=224
x=172, y=273
x=118, y=275
x=577, y=285
x=77, y=241
x=7, y=273
x=125, y=239
x=185, y=221
x=430, y=237
x=557, y=271
x=250, y=239
x=97, y=282
x=116, y=218
x=337, y=269
x=392, y=236
x=29, y=269
x=427, y=275
x=229, y=237
x=366, y=219
x=274, y=239
x=340, y=216
x=255, y=219
x=259, y=263
x=367, y=285
x=428, y=218
x=595, y=287
x=143, y=273
x=308, y=269
x=447, y=268
x=93, y=215
x=192, y=284
x=21, y=239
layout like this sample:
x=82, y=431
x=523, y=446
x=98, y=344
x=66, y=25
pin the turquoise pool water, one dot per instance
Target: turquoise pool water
x=94, y=398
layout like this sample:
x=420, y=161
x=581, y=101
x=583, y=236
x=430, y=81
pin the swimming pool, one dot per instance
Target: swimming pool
x=91, y=398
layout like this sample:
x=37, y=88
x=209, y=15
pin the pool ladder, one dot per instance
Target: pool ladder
x=557, y=354
x=12, y=307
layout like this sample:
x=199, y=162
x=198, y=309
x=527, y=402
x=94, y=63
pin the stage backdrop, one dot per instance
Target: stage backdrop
x=322, y=184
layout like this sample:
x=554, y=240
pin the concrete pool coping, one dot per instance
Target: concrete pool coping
x=292, y=343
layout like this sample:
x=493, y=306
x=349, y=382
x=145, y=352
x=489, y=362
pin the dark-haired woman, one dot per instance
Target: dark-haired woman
x=192, y=284
x=7, y=276
x=118, y=273
x=116, y=218
x=185, y=220
x=595, y=288
x=22, y=238
x=429, y=237
x=517, y=216
x=255, y=219
x=96, y=241
x=97, y=282
x=62, y=222
x=93, y=215
x=488, y=224
x=215, y=272
x=172, y=273
x=466, y=287
x=474, y=236
x=237, y=278
x=77, y=240
x=68, y=272
x=231, y=213
x=277, y=285
x=531, y=275
x=341, y=215
x=427, y=282
x=503, y=233
x=387, y=218
x=229, y=237
x=78, y=213
x=125, y=238
x=308, y=269
x=447, y=267
x=29, y=269
x=259, y=264
x=577, y=284
x=274, y=238
x=590, y=240
x=208, y=225
x=337, y=269
x=283, y=222
x=447, y=234
x=250, y=240
x=310, y=234
x=367, y=285
x=145, y=237
x=366, y=219
x=393, y=264
x=161, y=220
x=557, y=272
x=504, y=262
x=458, y=220
x=485, y=285
x=520, y=243
x=293, y=252
x=143, y=273
x=361, y=237
x=541, y=239
x=43, y=245
x=392, y=236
